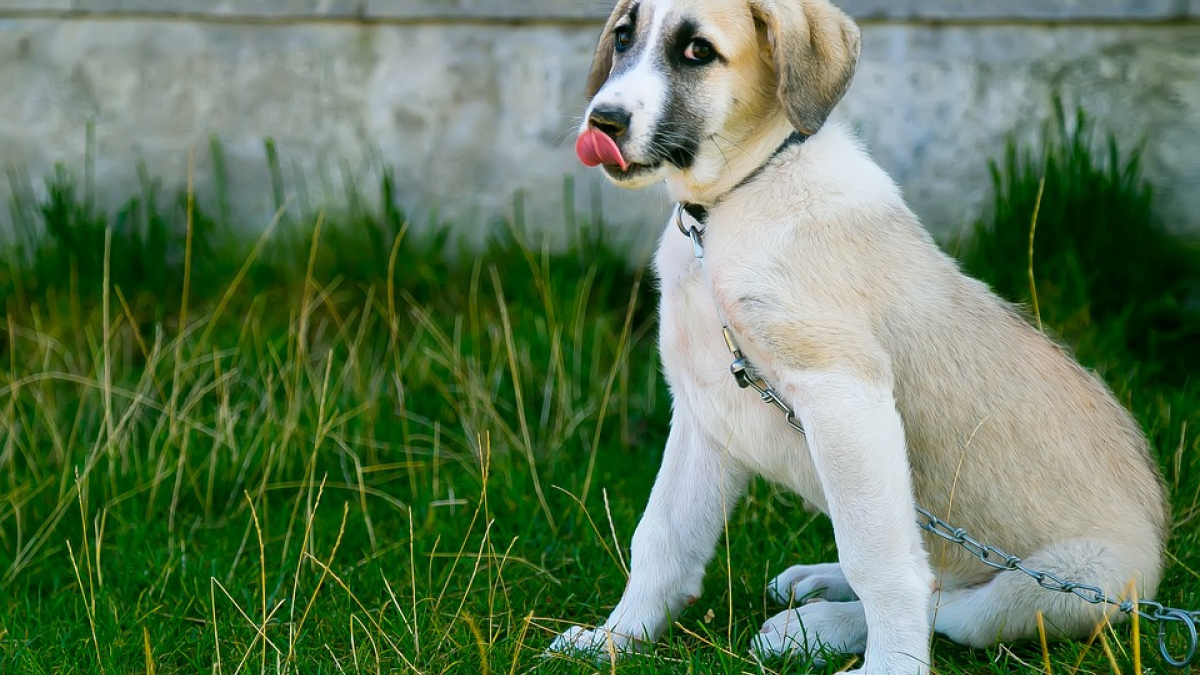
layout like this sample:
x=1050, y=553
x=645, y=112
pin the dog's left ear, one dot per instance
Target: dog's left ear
x=815, y=49
x=603, y=61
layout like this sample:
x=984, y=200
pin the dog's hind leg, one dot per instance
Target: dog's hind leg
x=1005, y=608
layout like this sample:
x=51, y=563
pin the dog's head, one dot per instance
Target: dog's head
x=677, y=84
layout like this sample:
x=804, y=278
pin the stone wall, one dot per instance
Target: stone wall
x=474, y=100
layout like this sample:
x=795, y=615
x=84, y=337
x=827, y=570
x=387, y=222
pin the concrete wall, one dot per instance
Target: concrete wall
x=471, y=100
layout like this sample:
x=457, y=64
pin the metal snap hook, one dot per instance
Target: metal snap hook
x=740, y=369
x=693, y=233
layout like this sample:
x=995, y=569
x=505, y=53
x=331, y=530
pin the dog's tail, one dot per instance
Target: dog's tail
x=1006, y=607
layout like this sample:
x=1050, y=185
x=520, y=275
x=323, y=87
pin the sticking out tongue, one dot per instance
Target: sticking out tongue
x=595, y=147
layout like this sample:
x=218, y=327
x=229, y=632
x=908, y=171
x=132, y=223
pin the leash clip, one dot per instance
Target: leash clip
x=691, y=232
x=679, y=221
x=740, y=369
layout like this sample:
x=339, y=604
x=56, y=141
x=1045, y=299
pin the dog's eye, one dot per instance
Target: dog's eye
x=699, y=52
x=623, y=37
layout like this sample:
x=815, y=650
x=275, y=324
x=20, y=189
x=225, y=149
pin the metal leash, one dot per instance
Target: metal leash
x=1149, y=610
x=1146, y=609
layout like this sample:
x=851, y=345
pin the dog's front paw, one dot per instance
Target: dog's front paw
x=599, y=643
x=814, y=628
x=798, y=583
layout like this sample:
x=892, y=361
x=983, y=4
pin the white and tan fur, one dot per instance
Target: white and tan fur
x=915, y=383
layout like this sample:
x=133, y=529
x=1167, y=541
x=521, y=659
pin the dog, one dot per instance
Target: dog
x=915, y=385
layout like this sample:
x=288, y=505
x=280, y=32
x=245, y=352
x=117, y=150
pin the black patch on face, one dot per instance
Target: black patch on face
x=685, y=32
x=681, y=129
x=677, y=138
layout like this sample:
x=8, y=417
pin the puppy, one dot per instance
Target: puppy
x=914, y=383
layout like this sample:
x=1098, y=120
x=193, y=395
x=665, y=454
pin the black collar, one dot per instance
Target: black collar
x=700, y=212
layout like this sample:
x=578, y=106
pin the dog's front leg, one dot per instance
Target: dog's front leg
x=857, y=441
x=696, y=487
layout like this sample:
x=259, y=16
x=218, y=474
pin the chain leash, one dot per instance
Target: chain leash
x=1147, y=610
x=749, y=378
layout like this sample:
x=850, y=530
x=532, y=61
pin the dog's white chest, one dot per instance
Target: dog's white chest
x=696, y=360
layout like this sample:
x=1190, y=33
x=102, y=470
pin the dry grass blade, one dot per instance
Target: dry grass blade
x=150, y=669
x=599, y=536
x=1041, y=626
x=262, y=571
x=1108, y=652
x=89, y=608
x=613, y=530
x=295, y=628
x=259, y=628
x=622, y=346
x=520, y=642
x=374, y=623
x=1106, y=622
x=240, y=277
x=1037, y=207
x=458, y=612
x=721, y=648
x=374, y=646
x=1135, y=638
x=260, y=634
x=212, y=603
x=479, y=642
x=510, y=347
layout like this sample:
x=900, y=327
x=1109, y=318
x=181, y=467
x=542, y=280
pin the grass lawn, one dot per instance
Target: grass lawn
x=332, y=451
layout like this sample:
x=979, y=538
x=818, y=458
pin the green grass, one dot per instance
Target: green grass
x=337, y=452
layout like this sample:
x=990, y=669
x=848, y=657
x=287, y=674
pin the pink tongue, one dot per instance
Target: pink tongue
x=595, y=147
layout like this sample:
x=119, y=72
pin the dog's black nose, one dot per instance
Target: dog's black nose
x=612, y=121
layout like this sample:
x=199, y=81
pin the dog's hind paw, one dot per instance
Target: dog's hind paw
x=814, y=629
x=799, y=583
x=598, y=643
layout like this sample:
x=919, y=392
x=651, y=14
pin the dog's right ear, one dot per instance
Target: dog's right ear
x=815, y=49
x=603, y=61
